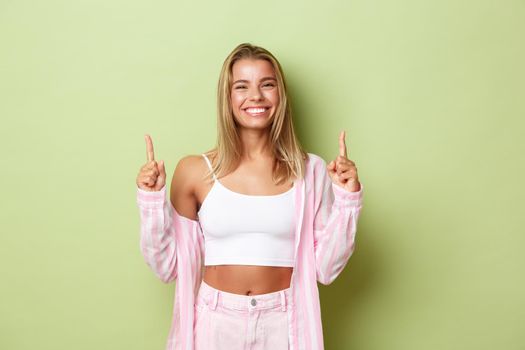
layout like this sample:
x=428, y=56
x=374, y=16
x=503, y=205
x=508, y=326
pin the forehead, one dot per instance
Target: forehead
x=252, y=69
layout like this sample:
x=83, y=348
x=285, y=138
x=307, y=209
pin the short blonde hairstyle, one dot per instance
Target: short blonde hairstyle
x=288, y=154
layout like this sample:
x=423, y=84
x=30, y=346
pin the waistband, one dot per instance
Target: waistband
x=213, y=297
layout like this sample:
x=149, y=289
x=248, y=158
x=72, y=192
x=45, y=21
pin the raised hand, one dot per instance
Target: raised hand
x=152, y=175
x=342, y=170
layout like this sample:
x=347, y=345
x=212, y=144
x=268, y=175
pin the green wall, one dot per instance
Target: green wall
x=431, y=94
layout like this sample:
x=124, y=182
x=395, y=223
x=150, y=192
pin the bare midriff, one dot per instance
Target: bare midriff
x=248, y=279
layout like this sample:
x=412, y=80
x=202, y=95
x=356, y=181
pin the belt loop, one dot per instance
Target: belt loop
x=215, y=299
x=283, y=301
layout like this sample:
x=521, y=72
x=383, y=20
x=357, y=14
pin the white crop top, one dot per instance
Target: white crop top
x=243, y=229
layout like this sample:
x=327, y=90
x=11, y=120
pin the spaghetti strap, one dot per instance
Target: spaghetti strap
x=209, y=166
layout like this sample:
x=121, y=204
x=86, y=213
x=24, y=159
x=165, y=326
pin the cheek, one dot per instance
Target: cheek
x=236, y=100
x=236, y=103
x=274, y=97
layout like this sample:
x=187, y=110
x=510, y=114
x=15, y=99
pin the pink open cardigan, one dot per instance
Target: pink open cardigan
x=326, y=224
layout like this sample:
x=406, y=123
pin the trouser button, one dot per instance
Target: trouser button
x=254, y=302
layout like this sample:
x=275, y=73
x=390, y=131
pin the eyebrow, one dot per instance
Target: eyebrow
x=246, y=81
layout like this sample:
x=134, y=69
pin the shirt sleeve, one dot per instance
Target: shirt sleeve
x=157, y=235
x=335, y=224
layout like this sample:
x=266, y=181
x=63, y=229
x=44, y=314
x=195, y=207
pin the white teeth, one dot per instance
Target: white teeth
x=256, y=110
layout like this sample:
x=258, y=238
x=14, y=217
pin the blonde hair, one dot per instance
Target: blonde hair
x=289, y=157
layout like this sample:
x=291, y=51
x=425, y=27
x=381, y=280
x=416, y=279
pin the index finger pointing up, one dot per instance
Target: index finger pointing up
x=342, y=144
x=149, y=148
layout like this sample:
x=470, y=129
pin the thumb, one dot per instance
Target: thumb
x=162, y=170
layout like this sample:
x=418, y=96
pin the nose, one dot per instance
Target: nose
x=256, y=95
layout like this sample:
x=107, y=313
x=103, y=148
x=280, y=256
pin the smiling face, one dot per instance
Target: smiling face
x=254, y=93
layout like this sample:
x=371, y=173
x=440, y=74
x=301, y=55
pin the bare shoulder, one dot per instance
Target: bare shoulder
x=186, y=175
x=188, y=166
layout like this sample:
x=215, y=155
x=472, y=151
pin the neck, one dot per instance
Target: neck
x=255, y=144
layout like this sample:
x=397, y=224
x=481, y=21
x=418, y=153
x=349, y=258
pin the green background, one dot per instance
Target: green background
x=431, y=94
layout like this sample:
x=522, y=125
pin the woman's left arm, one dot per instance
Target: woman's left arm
x=336, y=214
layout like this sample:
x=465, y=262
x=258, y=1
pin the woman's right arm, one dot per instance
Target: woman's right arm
x=160, y=221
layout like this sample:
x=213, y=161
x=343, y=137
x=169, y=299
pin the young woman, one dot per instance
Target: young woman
x=252, y=224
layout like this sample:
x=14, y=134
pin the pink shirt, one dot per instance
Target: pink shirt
x=326, y=216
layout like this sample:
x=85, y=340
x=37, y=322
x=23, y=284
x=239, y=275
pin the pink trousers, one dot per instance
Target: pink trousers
x=241, y=322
